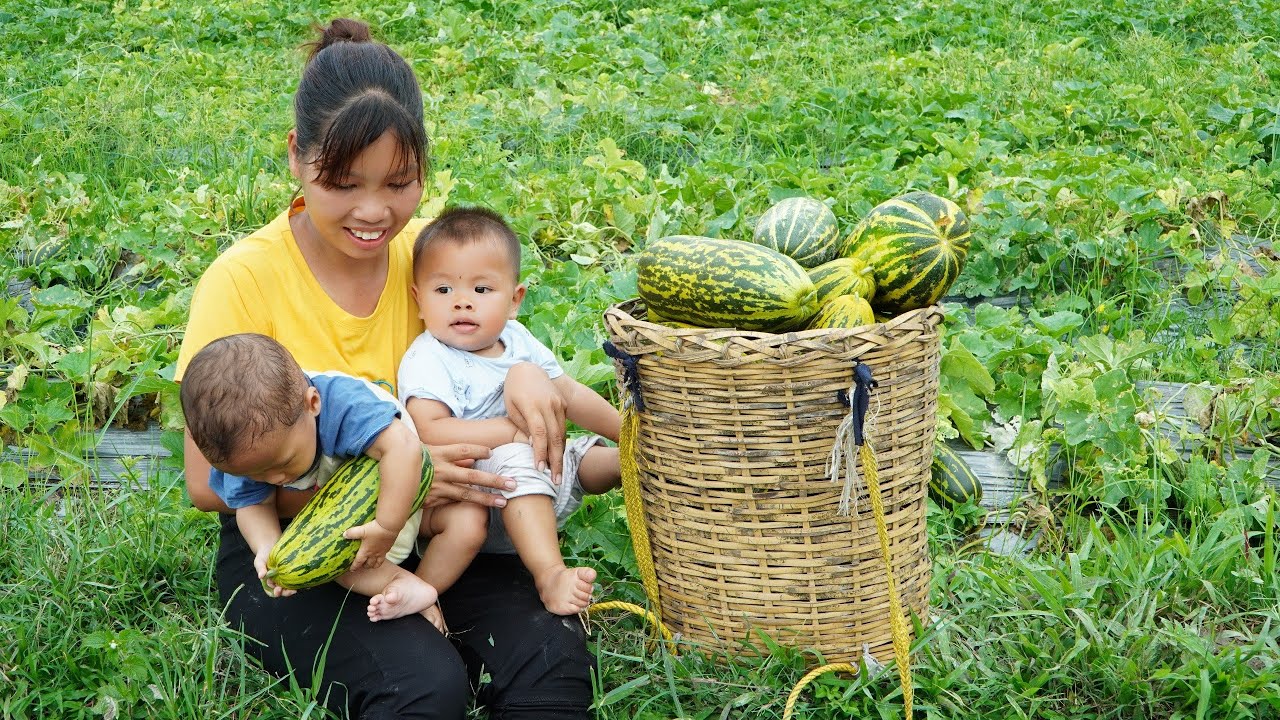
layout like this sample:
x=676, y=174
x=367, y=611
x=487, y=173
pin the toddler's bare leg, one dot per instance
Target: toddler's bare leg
x=531, y=522
x=456, y=532
x=599, y=472
x=392, y=591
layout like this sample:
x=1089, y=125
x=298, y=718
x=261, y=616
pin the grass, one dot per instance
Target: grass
x=1103, y=151
x=109, y=612
x=108, y=603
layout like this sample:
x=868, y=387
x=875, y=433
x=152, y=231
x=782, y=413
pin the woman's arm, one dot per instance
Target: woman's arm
x=454, y=481
x=196, y=469
x=538, y=410
x=224, y=304
x=586, y=408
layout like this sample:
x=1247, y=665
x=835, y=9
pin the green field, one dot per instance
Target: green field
x=1120, y=164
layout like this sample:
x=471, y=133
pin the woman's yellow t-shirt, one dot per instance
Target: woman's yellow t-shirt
x=262, y=284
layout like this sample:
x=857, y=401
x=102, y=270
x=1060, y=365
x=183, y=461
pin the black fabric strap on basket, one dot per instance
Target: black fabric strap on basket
x=864, y=383
x=630, y=372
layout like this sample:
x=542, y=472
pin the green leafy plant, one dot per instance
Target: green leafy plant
x=1118, y=164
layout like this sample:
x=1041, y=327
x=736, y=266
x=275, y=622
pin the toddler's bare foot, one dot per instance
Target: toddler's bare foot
x=435, y=617
x=565, y=590
x=405, y=594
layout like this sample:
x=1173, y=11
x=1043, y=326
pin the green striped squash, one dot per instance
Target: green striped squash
x=916, y=245
x=724, y=284
x=312, y=550
x=41, y=252
x=844, y=311
x=843, y=276
x=801, y=228
x=952, y=482
x=655, y=318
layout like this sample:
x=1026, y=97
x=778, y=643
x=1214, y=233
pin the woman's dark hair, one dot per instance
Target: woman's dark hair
x=352, y=91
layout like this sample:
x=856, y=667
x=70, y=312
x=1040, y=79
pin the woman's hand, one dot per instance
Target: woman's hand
x=538, y=410
x=454, y=477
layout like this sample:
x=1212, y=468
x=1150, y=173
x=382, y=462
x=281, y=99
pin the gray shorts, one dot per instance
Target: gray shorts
x=515, y=460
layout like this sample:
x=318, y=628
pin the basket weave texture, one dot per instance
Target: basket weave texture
x=733, y=444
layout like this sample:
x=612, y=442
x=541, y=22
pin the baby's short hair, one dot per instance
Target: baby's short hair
x=468, y=224
x=237, y=389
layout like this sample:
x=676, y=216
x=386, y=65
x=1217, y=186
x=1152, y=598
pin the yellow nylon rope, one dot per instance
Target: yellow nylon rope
x=897, y=620
x=639, y=530
x=635, y=506
x=814, y=674
x=648, y=617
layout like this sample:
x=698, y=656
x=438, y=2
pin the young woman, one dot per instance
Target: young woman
x=329, y=278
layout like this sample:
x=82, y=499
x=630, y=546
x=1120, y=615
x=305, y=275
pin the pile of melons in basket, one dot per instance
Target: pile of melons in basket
x=797, y=273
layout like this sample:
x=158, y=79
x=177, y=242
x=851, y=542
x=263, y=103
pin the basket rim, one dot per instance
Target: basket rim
x=623, y=312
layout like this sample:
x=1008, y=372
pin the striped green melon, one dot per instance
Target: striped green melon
x=843, y=276
x=655, y=318
x=312, y=550
x=843, y=311
x=801, y=228
x=952, y=482
x=724, y=284
x=41, y=252
x=916, y=245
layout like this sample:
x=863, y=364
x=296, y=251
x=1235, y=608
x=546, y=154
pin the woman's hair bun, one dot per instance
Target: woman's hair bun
x=340, y=30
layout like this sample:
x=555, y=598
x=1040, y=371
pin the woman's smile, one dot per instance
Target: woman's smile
x=367, y=239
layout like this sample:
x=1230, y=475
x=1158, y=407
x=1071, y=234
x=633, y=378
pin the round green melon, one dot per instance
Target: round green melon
x=843, y=276
x=844, y=311
x=801, y=228
x=916, y=245
x=952, y=481
x=656, y=319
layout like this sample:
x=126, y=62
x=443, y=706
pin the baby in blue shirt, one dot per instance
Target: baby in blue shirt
x=265, y=424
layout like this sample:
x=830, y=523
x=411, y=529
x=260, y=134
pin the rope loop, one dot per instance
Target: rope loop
x=648, y=616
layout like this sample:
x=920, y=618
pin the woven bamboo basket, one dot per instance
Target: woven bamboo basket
x=733, y=443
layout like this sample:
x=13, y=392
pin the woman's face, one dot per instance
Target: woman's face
x=359, y=215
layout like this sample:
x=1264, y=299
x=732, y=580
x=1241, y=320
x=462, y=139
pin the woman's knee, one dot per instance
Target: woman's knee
x=548, y=678
x=439, y=691
x=421, y=679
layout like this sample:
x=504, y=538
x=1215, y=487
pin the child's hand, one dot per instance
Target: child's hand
x=260, y=564
x=375, y=541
